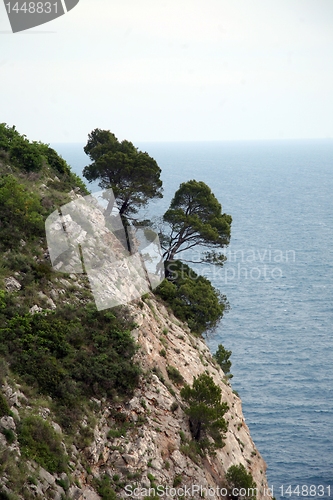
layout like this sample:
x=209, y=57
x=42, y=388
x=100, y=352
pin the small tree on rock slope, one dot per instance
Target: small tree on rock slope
x=205, y=410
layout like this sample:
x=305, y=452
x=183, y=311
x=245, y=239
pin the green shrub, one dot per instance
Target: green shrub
x=238, y=477
x=192, y=298
x=41, y=443
x=9, y=435
x=4, y=407
x=175, y=375
x=71, y=355
x=104, y=489
x=174, y=406
x=192, y=450
x=21, y=213
x=222, y=356
x=5, y=496
x=177, y=480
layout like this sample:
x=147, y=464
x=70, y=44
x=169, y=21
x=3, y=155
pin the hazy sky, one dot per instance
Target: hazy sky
x=155, y=70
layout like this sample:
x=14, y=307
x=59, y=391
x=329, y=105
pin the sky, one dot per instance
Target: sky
x=175, y=70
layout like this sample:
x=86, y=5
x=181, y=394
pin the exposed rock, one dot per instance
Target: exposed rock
x=7, y=423
x=46, y=476
x=156, y=440
x=35, y=309
x=57, y=427
x=50, y=303
x=12, y=285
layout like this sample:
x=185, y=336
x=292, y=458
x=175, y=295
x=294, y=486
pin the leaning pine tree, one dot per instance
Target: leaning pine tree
x=195, y=219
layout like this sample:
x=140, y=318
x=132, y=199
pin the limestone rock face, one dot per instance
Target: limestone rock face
x=159, y=444
x=144, y=443
x=12, y=285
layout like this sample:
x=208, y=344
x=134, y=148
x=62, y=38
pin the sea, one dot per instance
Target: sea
x=278, y=279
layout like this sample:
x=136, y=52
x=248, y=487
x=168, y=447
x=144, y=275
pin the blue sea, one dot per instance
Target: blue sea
x=279, y=282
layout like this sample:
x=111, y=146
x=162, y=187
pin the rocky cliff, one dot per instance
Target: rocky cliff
x=124, y=447
x=153, y=445
x=145, y=442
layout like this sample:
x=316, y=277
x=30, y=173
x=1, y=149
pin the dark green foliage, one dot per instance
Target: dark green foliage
x=4, y=407
x=21, y=214
x=104, y=488
x=238, y=477
x=35, y=158
x=192, y=298
x=70, y=355
x=29, y=156
x=133, y=175
x=3, y=364
x=21, y=152
x=205, y=410
x=174, y=375
x=222, y=356
x=4, y=496
x=9, y=435
x=174, y=406
x=177, y=480
x=195, y=219
x=41, y=443
x=54, y=160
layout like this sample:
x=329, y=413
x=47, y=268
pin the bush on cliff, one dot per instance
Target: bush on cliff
x=70, y=355
x=192, y=297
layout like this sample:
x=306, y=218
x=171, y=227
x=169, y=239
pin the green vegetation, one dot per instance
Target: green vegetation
x=177, y=480
x=222, y=356
x=192, y=298
x=205, y=411
x=4, y=408
x=41, y=443
x=21, y=213
x=9, y=435
x=70, y=354
x=195, y=219
x=238, y=477
x=105, y=489
x=65, y=357
x=35, y=158
x=175, y=375
x=133, y=175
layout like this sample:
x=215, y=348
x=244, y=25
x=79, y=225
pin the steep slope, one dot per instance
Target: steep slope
x=83, y=416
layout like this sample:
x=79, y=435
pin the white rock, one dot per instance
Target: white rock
x=57, y=428
x=7, y=423
x=12, y=285
x=51, y=304
x=90, y=495
x=35, y=309
x=46, y=476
